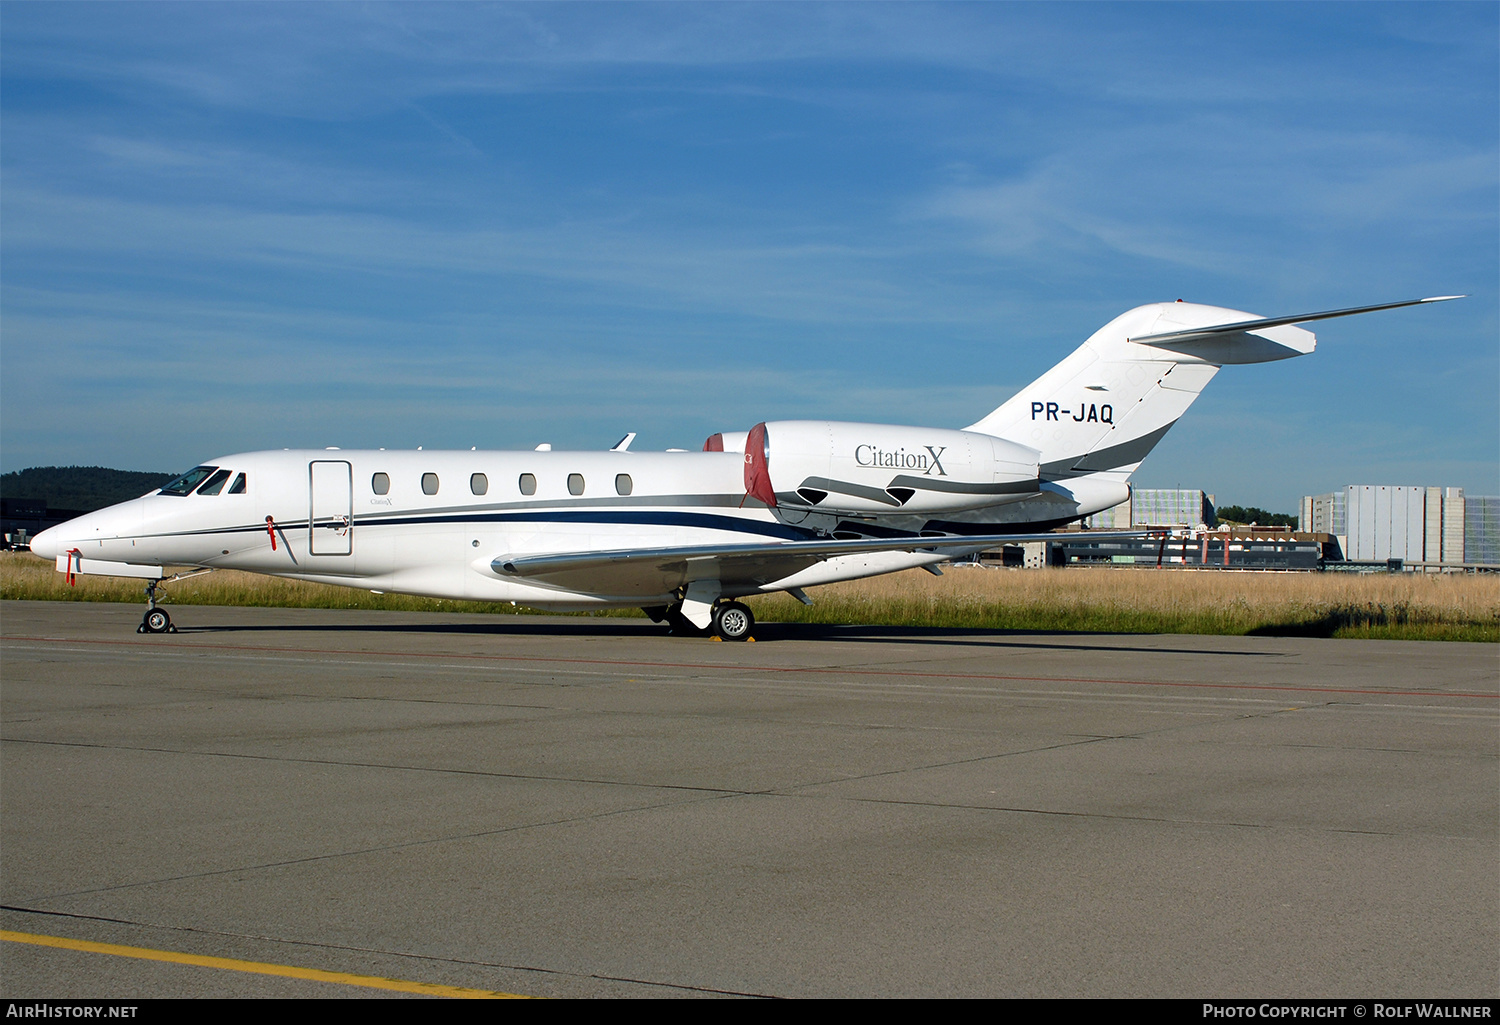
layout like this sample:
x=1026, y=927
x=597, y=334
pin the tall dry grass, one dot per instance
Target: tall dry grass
x=1131, y=600
x=1406, y=606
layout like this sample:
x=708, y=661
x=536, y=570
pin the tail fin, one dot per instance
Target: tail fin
x=1101, y=410
x=1108, y=404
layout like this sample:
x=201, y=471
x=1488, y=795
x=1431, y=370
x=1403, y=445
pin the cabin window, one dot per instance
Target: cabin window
x=381, y=484
x=429, y=483
x=528, y=483
x=185, y=484
x=214, y=484
x=623, y=485
x=575, y=483
x=238, y=487
x=479, y=483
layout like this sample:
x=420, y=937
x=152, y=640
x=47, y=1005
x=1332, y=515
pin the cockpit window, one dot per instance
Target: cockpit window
x=238, y=487
x=185, y=484
x=214, y=484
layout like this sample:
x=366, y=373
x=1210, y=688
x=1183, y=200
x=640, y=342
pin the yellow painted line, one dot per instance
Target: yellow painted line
x=258, y=967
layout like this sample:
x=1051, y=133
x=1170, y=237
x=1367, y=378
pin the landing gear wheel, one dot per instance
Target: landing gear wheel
x=733, y=621
x=157, y=622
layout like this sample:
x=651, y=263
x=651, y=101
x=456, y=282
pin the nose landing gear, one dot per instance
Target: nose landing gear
x=156, y=620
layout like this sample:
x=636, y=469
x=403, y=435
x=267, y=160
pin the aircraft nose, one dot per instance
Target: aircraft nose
x=48, y=544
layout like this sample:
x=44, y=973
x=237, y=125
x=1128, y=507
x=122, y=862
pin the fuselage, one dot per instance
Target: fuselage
x=436, y=523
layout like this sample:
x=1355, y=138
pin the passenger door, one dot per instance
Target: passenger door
x=330, y=527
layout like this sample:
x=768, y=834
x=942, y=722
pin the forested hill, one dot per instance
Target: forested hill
x=82, y=488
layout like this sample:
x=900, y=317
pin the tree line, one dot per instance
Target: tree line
x=1243, y=514
x=80, y=488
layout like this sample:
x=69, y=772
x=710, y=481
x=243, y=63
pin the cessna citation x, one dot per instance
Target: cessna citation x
x=780, y=507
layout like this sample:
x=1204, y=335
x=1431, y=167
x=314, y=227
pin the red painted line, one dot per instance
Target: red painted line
x=769, y=669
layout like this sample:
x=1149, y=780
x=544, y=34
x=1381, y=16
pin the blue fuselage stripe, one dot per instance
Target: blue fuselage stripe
x=705, y=521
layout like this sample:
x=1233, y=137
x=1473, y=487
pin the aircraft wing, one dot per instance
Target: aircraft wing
x=652, y=572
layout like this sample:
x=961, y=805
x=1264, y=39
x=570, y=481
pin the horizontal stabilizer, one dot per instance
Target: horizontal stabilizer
x=1192, y=334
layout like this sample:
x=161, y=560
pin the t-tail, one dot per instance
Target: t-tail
x=1096, y=415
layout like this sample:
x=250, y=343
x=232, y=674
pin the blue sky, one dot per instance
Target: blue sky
x=227, y=227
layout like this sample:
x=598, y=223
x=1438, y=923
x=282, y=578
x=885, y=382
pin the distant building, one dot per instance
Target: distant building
x=1324, y=514
x=1482, y=530
x=1247, y=549
x=23, y=518
x=1379, y=522
x=1157, y=507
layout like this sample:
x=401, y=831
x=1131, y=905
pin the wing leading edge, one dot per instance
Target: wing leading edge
x=652, y=572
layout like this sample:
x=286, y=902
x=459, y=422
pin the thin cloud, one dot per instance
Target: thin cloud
x=458, y=221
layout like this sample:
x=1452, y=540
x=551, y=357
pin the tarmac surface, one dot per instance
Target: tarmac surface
x=588, y=807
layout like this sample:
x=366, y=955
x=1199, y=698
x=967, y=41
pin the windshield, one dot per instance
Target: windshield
x=185, y=484
x=215, y=483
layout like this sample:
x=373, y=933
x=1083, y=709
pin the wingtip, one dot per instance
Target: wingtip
x=1442, y=298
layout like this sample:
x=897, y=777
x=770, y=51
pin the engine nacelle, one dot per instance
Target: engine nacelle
x=866, y=469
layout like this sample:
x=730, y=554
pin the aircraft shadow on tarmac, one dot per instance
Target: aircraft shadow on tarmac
x=764, y=632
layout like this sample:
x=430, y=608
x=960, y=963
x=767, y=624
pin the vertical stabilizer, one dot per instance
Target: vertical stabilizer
x=1101, y=410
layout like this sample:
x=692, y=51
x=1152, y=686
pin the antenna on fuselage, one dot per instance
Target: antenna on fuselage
x=623, y=445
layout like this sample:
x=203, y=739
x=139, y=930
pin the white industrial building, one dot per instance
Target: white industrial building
x=1432, y=526
x=1421, y=526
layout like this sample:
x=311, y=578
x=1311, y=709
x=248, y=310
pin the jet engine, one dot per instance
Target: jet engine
x=866, y=469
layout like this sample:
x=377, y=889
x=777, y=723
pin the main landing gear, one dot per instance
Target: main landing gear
x=156, y=620
x=732, y=621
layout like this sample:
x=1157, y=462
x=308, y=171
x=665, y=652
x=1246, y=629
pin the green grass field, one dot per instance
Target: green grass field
x=1406, y=606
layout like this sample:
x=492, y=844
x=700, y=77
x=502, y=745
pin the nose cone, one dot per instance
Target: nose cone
x=49, y=543
x=101, y=526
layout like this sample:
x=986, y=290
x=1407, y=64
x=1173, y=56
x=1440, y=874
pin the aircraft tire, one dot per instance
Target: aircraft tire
x=157, y=622
x=733, y=621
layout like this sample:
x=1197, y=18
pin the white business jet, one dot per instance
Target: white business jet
x=784, y=506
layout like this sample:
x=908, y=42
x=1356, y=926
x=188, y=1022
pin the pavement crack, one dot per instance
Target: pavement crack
x=378, y=849
x=1060, y=813
x=341, y=763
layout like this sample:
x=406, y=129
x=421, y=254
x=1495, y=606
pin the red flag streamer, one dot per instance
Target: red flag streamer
x=74, y=553
x=271, y=529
